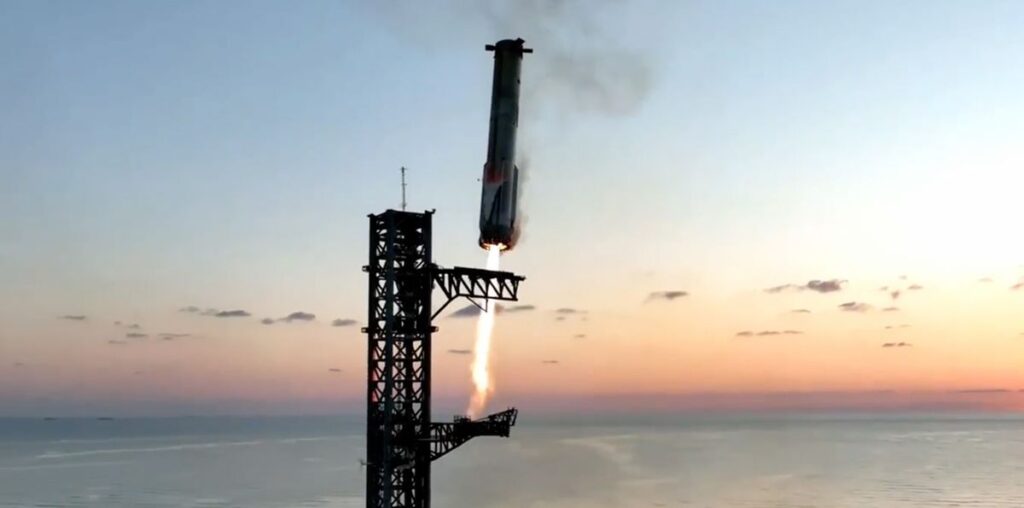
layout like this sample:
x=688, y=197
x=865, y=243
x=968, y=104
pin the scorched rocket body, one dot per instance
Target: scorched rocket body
x=498, y=202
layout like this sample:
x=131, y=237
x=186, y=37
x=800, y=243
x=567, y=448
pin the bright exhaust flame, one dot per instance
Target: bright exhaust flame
x=482, y=384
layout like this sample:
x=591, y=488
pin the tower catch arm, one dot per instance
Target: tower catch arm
x=476, y=284
x=445, y=437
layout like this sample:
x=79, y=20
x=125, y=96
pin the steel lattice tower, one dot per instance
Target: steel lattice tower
x=401, y=441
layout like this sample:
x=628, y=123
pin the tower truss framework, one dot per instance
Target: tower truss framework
x=401, y=440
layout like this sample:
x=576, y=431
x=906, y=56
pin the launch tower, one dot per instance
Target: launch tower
x=401, y=440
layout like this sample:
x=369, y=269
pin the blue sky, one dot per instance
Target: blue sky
x=162, y=154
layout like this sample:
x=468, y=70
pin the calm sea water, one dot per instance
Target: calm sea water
x=690, y=461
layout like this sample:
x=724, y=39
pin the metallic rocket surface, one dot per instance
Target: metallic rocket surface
x=500, y=182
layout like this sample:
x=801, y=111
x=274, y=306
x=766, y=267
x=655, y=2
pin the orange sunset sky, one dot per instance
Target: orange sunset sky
x=687, y=179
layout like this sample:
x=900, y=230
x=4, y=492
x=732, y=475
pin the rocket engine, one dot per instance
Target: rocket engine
x=498, y=202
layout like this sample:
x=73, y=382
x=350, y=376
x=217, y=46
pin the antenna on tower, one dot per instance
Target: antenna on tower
x=403, y=188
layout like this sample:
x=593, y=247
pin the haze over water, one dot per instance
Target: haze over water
x=709, y=461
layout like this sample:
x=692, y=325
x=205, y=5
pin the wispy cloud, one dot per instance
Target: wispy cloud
x=666, y=295
x=580, y=336
x=549, y=362
x=563, y=313
x=826, y=286
x=468, y=311
x=854, y=307
x=800, y=311
x=895, y=292
x=818, y=286
x=768, y=333
x=173, y=336
x=209, y=311
x=73, y=317
x=116, y=342
x=569, y=310
x=1017, y=286
x=334, y=370
x=343, y=322
x=985, y=280
x=290, y=318
x=897, y=344
x=192, y=309
x=461, y=351
x=135, y=335
x=472, y=310
x=520, y=308
x=891, y=309
x=299, y=316
x=893, y=327
x=231, y=314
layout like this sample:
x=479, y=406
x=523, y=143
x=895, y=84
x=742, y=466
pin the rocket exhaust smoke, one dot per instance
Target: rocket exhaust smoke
x=592, y=62
x=483, y=384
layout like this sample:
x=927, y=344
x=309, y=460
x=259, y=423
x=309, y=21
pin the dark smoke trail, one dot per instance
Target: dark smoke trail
x=578, y=67
x=581, y=66
x=577, y=70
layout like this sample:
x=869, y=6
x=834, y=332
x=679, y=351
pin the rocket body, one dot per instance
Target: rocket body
x=500, y=183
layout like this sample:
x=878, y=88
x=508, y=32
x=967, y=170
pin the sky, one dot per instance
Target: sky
x=690, y=168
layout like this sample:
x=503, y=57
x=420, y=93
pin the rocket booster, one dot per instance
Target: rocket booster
x=500, y=182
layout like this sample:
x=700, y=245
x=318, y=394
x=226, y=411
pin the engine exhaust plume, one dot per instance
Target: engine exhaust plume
x=483, y=384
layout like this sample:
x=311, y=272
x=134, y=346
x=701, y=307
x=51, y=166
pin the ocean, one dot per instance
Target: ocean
x=713, y=461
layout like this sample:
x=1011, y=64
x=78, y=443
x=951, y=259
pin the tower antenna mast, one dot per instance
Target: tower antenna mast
x=403, y=188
